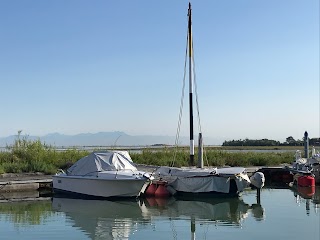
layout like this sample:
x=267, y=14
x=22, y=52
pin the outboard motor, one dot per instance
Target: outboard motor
x=257, y=180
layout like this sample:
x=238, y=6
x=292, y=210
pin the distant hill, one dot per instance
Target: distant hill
x=95, y=139
x=101, y=139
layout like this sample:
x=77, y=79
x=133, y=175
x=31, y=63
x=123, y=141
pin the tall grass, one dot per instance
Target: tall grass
x=212, y=157
x=34, y=156
x=161, y=157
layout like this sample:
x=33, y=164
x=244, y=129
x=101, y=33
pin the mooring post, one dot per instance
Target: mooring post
x=200, y=151
x=258, y=196
x=306, y=145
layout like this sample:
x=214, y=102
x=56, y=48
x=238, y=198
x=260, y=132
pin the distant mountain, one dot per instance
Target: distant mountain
x=101, y=139
x=94, y=139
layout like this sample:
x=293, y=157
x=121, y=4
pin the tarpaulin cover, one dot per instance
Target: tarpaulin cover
x=102, y=161
x=198, y=180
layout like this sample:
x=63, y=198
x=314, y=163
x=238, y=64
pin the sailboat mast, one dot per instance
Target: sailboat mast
x=190, y=87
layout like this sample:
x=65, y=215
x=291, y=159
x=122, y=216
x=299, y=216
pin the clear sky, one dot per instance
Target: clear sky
x=78, y=66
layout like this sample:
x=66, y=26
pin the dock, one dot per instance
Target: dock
x=24, y=182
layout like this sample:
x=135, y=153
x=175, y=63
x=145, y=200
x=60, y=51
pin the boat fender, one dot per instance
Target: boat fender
x=161, y=191
x=151, y=189
x=258, y=180
x=306, y=181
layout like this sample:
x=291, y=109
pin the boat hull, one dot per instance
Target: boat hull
x=97, y=187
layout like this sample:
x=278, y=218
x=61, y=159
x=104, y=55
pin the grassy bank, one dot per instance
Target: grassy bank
x=33, y=156
x=287, y=148
x=213, y=157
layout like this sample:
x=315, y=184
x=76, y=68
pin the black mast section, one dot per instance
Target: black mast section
x=190, y=87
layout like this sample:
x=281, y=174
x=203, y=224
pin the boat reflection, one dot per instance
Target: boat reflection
x=119, y=219
x=310, y=196
x=101, y=219
x=219, y=210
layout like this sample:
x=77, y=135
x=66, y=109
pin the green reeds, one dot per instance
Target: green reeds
x=212, y=157
x=34, y=156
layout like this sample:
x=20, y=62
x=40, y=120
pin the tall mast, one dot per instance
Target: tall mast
x=190, y=87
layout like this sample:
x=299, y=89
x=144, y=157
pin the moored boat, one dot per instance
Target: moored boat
x=229, y=181
x=102, y=174
x=307, y=165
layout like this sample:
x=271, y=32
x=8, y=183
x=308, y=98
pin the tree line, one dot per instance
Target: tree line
x=290, y=141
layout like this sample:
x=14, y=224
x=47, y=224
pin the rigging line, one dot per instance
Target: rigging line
x=181, y=105
x=196, y=90
x=197, y=102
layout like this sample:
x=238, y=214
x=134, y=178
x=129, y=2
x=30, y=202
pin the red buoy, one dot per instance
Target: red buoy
x=161, y=191
x=306, y=181
x=151, y=189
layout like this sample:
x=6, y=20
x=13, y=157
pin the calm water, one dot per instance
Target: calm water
x=282, y=214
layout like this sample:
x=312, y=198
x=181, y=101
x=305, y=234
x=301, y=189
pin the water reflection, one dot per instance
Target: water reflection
x=310, y=196
x=223, y=210
x=103, y=219
x=171, y=218
x=25, y=213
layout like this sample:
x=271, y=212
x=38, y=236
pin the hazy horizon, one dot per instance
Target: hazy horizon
x=120, y=138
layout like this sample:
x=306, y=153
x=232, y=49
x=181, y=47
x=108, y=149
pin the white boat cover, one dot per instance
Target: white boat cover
x=102, y=161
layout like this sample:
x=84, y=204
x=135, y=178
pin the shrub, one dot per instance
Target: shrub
x=33, y=156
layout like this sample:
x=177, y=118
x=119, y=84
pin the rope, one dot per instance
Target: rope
x=196, y=90
x=197, y=103
x=181, y=106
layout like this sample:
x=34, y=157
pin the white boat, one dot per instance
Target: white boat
x=307, y=165
x=228, y=181
x=102, y=174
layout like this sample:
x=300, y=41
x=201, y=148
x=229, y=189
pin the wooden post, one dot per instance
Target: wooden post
x=200, y=151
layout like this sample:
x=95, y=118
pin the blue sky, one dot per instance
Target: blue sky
x=75, y=66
